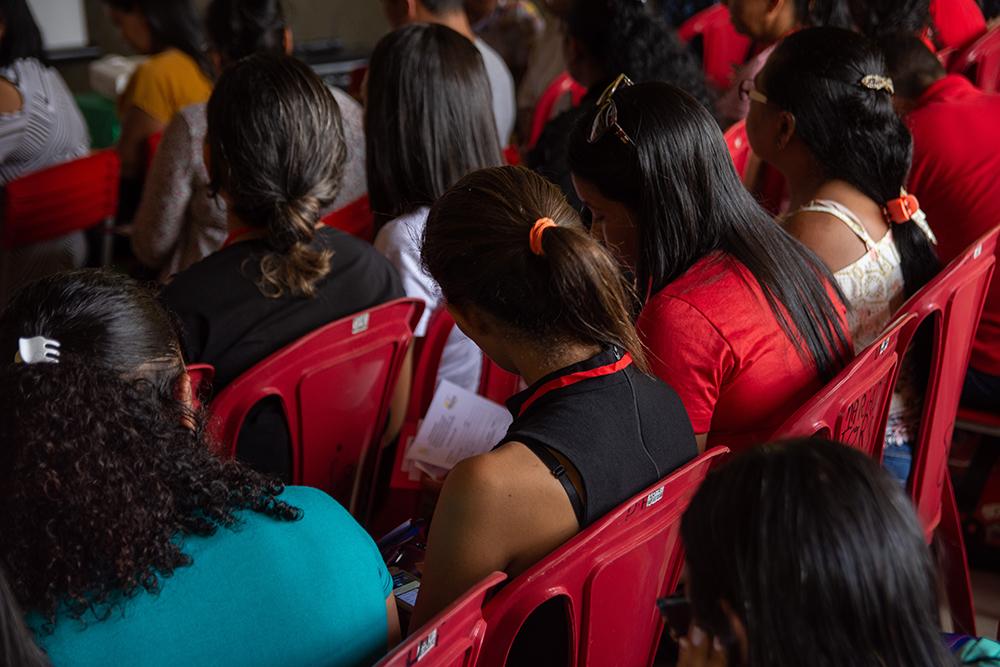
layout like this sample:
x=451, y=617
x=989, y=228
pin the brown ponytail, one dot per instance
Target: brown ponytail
x=276, y=146
x=477, y=247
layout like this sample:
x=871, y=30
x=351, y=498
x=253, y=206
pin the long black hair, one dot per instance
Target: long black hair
x=679, y=182
x=21, y=37
x=276, y=143
x=239, y=28
x=173, y=24
x=852, y=131
x=624, y=37
x=428, y=117
x=103, y=465
x=821, y=557
x=878, y=18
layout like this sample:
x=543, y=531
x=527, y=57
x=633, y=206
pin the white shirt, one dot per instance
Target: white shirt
x=399, y=241
x=502, y=89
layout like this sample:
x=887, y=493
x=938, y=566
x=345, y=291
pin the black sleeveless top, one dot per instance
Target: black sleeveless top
x=621, y=429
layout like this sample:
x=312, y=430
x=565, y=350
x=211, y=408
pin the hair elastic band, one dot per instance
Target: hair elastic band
x=535, y=238
x=37, y=350
x=906, y=208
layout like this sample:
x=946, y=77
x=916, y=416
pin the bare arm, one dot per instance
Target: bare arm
x=400, y=400
x=137, y=126
x=392, y=618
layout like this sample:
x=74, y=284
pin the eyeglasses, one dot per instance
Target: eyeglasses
x=748, y=91
x=607, y=113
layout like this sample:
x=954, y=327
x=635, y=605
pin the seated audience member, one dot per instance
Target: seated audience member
x=738, y=316
x=277, y=159
x=146, y=535
x=864, y=592
x=767, y=24
x=510, y=27
x=176, y=74
x=451, y=13
x=956, y=160
x=17, y=645
x=40, y=126
x=822, y=101
x=944, y=23
x=592, y=428
x=603, y=40
x=179, y=221
x=545, y=62
x=429, y=124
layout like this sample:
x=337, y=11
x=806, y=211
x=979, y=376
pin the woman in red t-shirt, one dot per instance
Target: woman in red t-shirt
x=742, y=320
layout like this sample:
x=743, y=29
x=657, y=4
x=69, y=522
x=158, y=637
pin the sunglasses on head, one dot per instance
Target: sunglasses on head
x=607, y=114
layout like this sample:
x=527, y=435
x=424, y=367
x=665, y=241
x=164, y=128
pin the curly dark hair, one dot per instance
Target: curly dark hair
x=102, y=464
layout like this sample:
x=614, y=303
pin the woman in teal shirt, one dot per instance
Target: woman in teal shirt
x=125, y=539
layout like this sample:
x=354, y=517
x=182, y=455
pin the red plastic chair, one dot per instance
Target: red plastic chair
x=956, y=22
x=453, y=638
x=355, y=218
x=739, y=146
x=951, y=303
x=56, y=201
x=975, y=421
x=980, y=62
x=497, y=384
x=853, y=408
x=561, y=85
x=609, y=577
x=201, y=376
x=723, y=48
x=335, y=386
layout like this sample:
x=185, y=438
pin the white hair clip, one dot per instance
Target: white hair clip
x=37, y=350
x=878, y=82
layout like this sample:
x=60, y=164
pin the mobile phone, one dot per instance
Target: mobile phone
x=676, y=611
x=406, y=587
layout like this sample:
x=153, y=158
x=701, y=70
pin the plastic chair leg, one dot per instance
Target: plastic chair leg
x=957, y=583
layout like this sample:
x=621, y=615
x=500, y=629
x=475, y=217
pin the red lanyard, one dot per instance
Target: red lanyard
x=235, y=234
x=573, y=378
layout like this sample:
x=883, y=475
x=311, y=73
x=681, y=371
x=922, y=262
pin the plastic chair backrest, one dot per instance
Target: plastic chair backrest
x=739, y=146
x=956, y=22
x=952, y=302
x=427, y=363
x=853, y=408
x=560, y=86
x=355, y=218
x=334, y=386
x=723, y=48
x=55, y=201
x=453, y=638
x=609, y=577
x=201, y=376
x=980, y=61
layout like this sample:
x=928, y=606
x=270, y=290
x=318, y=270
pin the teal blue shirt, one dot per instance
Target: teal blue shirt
x=309, y=592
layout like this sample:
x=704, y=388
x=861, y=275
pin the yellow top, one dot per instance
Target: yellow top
x=165, y=84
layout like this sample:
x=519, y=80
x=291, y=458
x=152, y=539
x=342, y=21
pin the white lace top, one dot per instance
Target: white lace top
x=874, y=289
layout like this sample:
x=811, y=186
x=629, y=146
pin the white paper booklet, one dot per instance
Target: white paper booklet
x=459, y=424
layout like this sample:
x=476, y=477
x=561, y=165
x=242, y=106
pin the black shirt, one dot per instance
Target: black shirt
x=229, y=324
x=622, y=431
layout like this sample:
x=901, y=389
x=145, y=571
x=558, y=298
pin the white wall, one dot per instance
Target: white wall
x=62, y=22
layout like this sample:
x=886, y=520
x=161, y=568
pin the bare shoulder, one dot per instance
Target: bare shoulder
x=827, y=236
x=500, y=472
x=10, y=97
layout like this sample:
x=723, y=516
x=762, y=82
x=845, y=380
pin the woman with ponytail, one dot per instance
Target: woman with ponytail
x=822, y=114
x=275, y=152
x=526, y=282
x=125, y=539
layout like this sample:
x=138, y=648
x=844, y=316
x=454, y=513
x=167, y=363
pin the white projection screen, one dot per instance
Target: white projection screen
x=63, y=23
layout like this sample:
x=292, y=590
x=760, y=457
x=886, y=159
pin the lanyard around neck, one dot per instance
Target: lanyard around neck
x=573, y=378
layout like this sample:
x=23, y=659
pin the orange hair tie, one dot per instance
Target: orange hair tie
x=902, y=209
x=535, y=238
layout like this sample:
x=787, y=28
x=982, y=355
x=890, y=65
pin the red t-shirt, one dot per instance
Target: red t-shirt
x=956, y=177
x=714, y=339
x=956, y=22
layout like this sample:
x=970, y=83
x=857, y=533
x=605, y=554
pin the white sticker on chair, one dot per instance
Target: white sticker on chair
x=654, y=497
x=360, y=323
x=424, y=647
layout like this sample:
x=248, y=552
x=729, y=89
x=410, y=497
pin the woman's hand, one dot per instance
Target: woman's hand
x=697, y=650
